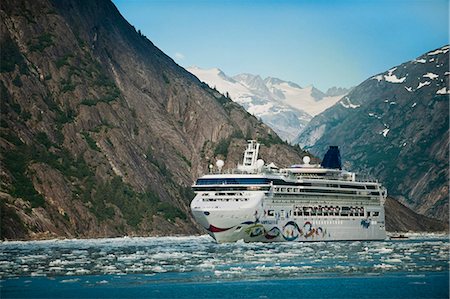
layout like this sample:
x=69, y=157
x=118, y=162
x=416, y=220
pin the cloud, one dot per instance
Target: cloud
x=179, y=56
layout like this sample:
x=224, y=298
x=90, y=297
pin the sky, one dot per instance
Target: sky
x=323, y=43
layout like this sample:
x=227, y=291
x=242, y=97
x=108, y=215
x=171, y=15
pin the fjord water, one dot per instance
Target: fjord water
x=197, y=267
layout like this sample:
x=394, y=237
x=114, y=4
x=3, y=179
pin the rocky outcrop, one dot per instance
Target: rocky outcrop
x=395, y=127
x=399, y=218
x=102, y=134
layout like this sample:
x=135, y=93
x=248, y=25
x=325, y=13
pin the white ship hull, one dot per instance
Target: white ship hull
x=242, y=224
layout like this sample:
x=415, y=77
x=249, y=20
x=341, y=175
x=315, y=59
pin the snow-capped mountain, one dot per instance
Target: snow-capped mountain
x=395, y=126
x=284, y=106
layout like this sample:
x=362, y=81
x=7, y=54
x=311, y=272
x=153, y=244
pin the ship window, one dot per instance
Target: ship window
x=375, y=214
x=270, y=213
x=368, y=214
x=233, y=181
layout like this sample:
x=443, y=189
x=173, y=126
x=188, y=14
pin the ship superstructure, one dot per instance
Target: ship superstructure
x=304, y=202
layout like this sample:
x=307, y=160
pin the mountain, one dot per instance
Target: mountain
x=101, y=133
x=282, y=105
x=395, y=126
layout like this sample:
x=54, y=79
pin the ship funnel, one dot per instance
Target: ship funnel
x=332, y=158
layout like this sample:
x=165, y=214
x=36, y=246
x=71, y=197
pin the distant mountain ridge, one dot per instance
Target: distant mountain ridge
x=283, y=105
x=395, y=126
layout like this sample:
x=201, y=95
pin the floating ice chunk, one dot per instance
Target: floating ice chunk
x=69, y=280
x=413, y=105
x=393, y=103
x=408, y=88
x=443, y=90
x=431, y=76
x=393, y=260
x=422, y=84
x=404, y=144
x=385, y=132
x=384, y=266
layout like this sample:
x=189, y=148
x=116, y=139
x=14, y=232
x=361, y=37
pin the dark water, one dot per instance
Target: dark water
x=193, y=267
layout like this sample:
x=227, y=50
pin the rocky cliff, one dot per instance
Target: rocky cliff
x=395, y=127
x=102, y=134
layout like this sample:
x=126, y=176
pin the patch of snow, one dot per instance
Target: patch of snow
x=431, y=76
x=442, y=50
x=431, y=60
x=348, y=104
x=443, y=91
x=446, y=73
x=393, y=79
x=392, y=70
x=408, y=88
x=404, y=144
x=378, y=78
x=420, y=60
x=413, y=105
x=422, y=84
x=393, y=103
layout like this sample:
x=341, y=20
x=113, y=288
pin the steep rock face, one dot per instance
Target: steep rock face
x=401, y=219
x=395, y=127
x=102, y=134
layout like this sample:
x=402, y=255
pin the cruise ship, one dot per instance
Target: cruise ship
x=305, y=202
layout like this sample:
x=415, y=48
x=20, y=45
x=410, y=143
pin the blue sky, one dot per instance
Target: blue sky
x=324, y=43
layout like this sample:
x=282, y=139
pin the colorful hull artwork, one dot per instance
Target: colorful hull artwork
x=291, y=231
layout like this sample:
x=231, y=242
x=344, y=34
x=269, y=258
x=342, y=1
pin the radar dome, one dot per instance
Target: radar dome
x=306, y=159
x=220, y=163
x=260, y=163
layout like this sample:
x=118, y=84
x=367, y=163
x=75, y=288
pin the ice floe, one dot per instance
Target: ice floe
x=422, y=84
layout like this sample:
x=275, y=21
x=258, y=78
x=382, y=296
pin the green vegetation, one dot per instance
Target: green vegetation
x=90, y=141
x=63, y=61
x=182, y=157
x=134, y=206
x=10, y=57
x=16, y=162
x=270, y=140
x=67, y=85
x=160, y=165
x=165, y=78
x=41, y=42
x=222, y=147
x=43, y=139
x=17, y=82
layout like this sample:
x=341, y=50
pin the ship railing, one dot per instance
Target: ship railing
x=358, y=178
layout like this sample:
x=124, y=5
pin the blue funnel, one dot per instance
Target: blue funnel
x=332, y=158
